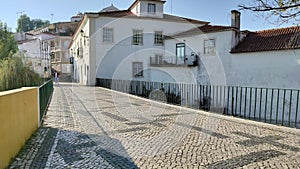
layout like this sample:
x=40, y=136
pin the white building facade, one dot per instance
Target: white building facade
x=60, y=58
x=144, y=44
x=120, y=44
x=36, y=52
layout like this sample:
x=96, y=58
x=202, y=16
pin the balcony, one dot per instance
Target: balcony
x=55, y=48
x=60, y=60
x=80, y=52
x=173, y=61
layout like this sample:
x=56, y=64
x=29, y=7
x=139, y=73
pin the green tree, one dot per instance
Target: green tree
x=38, y=23
x=25, y=24
x=283, y=10
x=14, y=74
x=8, y=44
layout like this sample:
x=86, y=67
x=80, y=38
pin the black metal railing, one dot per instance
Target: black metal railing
x=165, y=61
x=45, y=93
x=269, y=105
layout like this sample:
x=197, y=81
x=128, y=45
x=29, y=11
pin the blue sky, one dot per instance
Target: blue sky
x=214, y=11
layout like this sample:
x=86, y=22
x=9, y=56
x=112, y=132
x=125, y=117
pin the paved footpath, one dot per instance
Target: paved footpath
x=89, y=127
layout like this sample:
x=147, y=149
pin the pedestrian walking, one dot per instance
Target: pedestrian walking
x=56, y=77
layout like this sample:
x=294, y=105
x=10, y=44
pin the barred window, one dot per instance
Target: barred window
x=137, y=38
x=107, y=35
x=158, y=38
x=209, y=46
x=137, y=69
x=151, y=8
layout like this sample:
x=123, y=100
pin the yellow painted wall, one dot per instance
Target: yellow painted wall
x=18, y=121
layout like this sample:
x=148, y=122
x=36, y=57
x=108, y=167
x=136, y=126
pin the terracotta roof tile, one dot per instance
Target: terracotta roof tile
x=136, y=1
x=120, y=13
x=203, y=29
x=266, y=40
x=129, y=14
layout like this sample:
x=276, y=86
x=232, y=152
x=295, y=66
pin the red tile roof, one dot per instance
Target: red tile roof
x=203, y=29
x=134, y=3
x=119, y=13
x=129, y=14
x=267, y=40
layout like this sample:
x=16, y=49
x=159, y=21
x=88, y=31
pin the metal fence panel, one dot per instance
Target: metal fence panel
x=45, y=93
x=269, y=105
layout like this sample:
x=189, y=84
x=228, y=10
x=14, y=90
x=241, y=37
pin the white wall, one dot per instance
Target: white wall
x=35, y=57
x=274, y=69
x=104, y=58
x=269, y=69
x=141, y=9
x=212, y=68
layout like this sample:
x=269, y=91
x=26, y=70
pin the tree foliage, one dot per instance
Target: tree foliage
x=25, y=24
x=14, y=74
x=8, y=44
x=283, y=10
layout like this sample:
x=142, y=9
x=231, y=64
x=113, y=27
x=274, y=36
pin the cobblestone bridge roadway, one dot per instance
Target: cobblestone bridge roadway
x=89, y=127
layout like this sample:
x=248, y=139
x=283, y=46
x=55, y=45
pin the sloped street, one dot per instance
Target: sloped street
x=91, y=127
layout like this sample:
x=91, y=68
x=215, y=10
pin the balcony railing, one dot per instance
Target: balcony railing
x=167, y=61
x=60, y=60
x=80, y=52
x=159, y=61
x=55, y=48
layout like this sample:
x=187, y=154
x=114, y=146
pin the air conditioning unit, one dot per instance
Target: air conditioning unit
x=192, y=59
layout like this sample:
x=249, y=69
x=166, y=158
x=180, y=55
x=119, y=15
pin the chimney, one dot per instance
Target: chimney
x=236, y=23
x=236, y=19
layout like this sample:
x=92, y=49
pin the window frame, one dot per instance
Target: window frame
x=209, y=48
x=177, y=46
x=105, y=35
x=158, y=38
x=137, y=69
x=151, y=8
x=137, y=37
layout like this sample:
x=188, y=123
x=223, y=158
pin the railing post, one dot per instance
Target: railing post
x=297, y=106
x=277, y=105
x=266, y=105
x=283, y=107
x=290, y=108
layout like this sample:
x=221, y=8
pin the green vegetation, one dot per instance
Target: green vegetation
x=25, y=24
x=8, y=45
x=13, y=72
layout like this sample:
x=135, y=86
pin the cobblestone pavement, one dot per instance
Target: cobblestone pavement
x=88, y=127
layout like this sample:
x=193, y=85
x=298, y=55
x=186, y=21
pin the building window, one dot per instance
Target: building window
x=137, y=38
x=209, y=46
x=180, y=50
x=158, y=38
x=107, y=35
x=137, y=69
x=158, y=59
x=151, y=8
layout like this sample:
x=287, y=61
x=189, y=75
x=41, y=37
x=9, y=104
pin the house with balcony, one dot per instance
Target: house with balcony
x=60, y=59
x=57, y=54
x=129, y=44
x=36, y=51
x=228, y=56
x=143, y=43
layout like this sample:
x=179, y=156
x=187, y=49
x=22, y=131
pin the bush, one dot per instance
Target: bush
x=14, y=74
